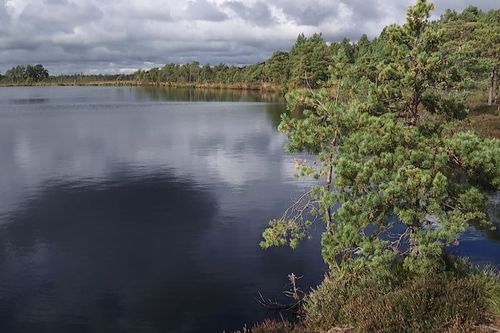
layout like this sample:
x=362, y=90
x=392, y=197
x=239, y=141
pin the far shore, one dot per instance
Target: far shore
x=268, y=87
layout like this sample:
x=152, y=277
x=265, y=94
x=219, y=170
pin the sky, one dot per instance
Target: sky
x=120, y=36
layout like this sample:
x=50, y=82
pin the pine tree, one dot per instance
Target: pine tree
x=398, y=181
x=309, y=61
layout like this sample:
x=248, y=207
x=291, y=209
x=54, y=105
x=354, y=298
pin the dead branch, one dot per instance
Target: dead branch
x=294, y=293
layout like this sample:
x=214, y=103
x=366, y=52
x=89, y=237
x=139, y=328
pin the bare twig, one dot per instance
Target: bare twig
x=295, y=293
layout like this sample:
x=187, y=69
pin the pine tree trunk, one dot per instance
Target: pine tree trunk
x=329, y=183
x=495, y=87
x=491, y=88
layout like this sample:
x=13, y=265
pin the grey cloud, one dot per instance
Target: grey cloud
x=16, y=44
x=258, y=13
x=204, y=10
x=92, y=35
x=136, y=12
x=369, y=10
x=60, y=15
x=3, y=10
x=308, y=12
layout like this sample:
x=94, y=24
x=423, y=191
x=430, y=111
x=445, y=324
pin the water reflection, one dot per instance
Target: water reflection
x=107, y=252
x=273, y=101
x=212, y=142
x=207, y=95
x=143, y=217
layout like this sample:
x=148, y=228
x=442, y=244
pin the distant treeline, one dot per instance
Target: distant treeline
x=25, y=74
x=471, y=37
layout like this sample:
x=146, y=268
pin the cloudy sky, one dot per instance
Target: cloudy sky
x=111, y=36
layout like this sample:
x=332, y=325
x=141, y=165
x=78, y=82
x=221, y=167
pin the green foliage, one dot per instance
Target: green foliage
x=309, y=60
x=277, y=68
x=28, y=74
x=16, y=74
x=277, y=234
x=400, y=175
x=404, y=184
x=473, y=42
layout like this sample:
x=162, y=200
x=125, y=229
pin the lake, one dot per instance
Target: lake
x=141, y=210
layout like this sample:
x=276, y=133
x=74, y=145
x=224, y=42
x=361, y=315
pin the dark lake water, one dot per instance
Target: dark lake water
x=141, y=210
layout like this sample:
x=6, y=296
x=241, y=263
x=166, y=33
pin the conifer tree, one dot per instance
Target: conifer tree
x=398, y=182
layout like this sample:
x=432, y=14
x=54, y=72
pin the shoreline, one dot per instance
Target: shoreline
x=267, y=87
